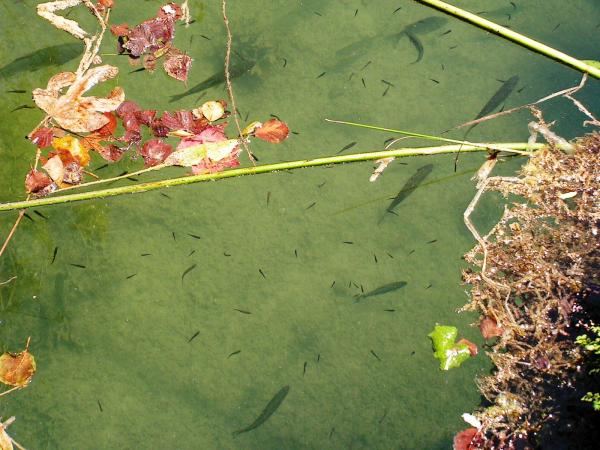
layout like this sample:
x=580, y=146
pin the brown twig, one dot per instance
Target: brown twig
x=228, y=81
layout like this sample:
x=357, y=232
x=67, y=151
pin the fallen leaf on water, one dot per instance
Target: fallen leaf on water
x=72, y=111
x=177, y=64
x=42, y=137
x=155, y=151
x=449, y=353
x=72, y=145
x=35, y=181
x=17, y=369
x=463, y=439
x=5, y=440
x=193, y=153
x=273, y=130
x=489, y=328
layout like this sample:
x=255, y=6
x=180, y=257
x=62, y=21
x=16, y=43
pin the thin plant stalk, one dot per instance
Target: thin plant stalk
x=428, y=136
x=513, y=36
x=520, y=147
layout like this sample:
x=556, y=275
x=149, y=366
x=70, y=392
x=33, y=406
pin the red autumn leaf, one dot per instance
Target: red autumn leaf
x=177, y=64
x=472, y=347
x=146, y=117
x=110, y=153
x=155, y=152
x=170, y=11
x=127, y=107
x=273, y=130
x=463, y=440
x=158, y=129
x=35, y=181
x=110, y=127
x=132, y=137
x=489, y=328
x=106, y=3
x=42, y=137
x=183, y=120
x=120, y=30
x=209, y=166
x=212, y=133
x=17, y=369
x=149, y=36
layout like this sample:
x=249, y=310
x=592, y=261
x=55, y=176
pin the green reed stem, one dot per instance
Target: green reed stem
x=513, y=36
x=267, y=168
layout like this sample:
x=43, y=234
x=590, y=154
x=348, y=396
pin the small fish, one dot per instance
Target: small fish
x=195, y=236
x=22, y=107
x=268, y=197
x=81, y=266
x=385, y=91
x=205, y=37
x=284, y=62
x=131, y=276
x=311, y=205
x=411, y=252
x=416, y=42
x=100, y=406
x=429, y=286
x=16, y=91
x=242, y=311
x=453, y=47
x=318, y=13
x=347, y=147
x=267, y=412
x=296, y=253
x=435, y=81
x=186, y=271
x=318, y=357
x=397, y=9
x=556, y=27
x=103, y=166
x=366, y=65
x=237, y=352
x=363, y=82
x=389, y=310
x=191, y=253
x=165, y=195
x=495, y=101
x=383, y=417
x=141, y=69
x=355, y=12
x=390, y=287
x=409, y=186
x=146, y=254
x=433, y=241
x=348, y=242
x=296, y=132
x=389, y=84
x=194, y=336
x=304, y=369
x=322, y=74
x=375, y=355
x=275, y=116
x=375, y=258
x=332, y=284
x=226, y=254
x=362, y=290
x=389, y=254
x=54, y=255
x=446, y=32
x=36, y=212
x=29, y=217
x=173, y=234
x=262, y=273
x=412, y=353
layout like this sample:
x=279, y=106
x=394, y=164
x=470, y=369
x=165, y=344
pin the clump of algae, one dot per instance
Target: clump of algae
x=539, y=291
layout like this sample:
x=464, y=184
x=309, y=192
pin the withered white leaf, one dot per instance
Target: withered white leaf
x=71, y=110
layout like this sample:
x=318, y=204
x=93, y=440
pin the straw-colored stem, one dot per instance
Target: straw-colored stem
x=144, y=187
x=513, y=36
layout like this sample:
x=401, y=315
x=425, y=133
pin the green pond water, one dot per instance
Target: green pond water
x=116, y=367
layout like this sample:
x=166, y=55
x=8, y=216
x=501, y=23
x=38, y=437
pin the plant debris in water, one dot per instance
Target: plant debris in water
x=536, y=296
